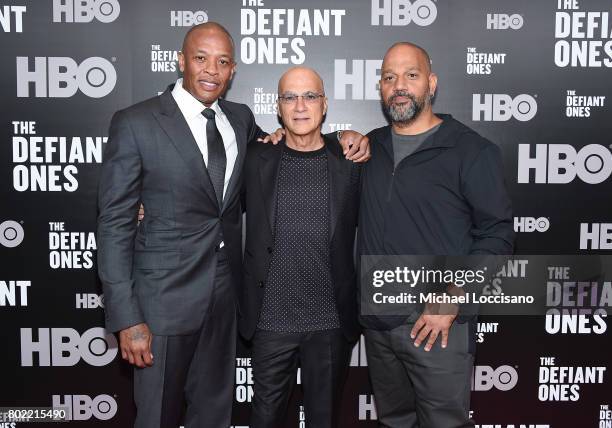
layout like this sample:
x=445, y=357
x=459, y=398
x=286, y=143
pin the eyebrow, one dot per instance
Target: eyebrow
x=201, y=51
x=412, y=68
x=291, y=91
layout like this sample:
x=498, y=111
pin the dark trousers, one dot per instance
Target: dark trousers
x=323, y=357
x=196, y=369
x=414, y=388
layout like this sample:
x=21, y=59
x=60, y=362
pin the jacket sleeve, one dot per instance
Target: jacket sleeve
x=333, y=136
x=118, y=198
x=253, y=130
x=485, y=191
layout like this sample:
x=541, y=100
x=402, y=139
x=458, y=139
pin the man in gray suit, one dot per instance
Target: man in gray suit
x=170, y=282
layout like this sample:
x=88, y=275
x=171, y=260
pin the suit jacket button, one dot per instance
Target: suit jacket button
x=261, y=284
x=270, y=249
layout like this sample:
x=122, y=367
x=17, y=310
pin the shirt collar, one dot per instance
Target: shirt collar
x=189, y=105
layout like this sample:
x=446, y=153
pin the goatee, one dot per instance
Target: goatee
x=404, y=114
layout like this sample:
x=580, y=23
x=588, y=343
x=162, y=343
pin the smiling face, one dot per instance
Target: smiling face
x=406, y=84
x=302, y=117
x=207, y=63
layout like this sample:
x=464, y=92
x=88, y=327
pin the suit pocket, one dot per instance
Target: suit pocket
x=157, y=259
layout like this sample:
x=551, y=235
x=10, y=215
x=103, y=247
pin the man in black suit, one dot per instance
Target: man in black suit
x=299, y=295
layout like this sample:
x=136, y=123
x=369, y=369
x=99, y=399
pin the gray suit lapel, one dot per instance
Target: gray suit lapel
x=241, y=143
x=174, y=125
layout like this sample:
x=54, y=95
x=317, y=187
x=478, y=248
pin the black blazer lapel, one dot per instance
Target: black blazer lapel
x=174, y=125
x=339, y=176
x=269, y=164
x=241, y=143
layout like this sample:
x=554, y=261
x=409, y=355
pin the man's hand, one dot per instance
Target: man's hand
x=140, y=213
x=135, y=344
x=356, y=147
x=432, y=324
x=273, y=138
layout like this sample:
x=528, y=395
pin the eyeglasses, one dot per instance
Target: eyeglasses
x=308, y=97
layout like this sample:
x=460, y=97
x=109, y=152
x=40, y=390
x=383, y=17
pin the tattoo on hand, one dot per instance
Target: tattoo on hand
x=139, y=335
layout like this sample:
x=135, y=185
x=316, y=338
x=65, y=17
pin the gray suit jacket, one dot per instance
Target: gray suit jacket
x=162, y=272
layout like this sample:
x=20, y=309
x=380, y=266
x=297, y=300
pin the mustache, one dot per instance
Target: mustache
x=406, y=94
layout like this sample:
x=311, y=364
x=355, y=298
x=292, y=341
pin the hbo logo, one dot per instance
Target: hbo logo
x=85, y=10
x=485, y=378
x=363, y=79
x=531, y=224
x=63, y=347
x=11, y=233
x=187, y=18
x=501, y=21
x=502, y=107
x=83, y=407
x=403, y=12
x=89, y=301
x=561, y=163
x=62, y=77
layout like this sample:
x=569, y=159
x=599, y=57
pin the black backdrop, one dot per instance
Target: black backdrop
x=533, y=77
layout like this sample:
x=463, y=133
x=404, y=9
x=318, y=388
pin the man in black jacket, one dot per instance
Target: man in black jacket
x=299, y=295
x=432, y=187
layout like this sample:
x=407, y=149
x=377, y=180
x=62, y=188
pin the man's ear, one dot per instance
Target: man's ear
x=181, y=61
x=433, y=83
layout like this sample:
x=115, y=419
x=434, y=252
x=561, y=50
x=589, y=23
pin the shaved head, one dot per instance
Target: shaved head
x=300, y=73
x=207, y=62
x=400, y=47
x=407, y=85
x=207, y=26
x=303, y=115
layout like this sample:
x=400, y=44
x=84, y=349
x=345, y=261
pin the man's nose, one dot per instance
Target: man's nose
x=211, y=68
x=401, y=83
x=300, y=104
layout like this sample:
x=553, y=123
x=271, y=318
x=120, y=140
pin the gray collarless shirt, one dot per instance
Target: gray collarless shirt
x=405, y=145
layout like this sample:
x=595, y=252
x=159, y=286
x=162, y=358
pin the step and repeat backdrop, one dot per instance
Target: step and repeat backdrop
x=533, y=77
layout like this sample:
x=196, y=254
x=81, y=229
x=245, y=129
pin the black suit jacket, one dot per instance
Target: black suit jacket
x=260, y=184
x=162, y=272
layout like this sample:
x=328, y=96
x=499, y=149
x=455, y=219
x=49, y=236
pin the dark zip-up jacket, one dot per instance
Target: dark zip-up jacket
x=446, y=198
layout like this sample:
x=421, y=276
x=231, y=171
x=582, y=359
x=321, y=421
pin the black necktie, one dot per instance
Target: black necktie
x=216, y=154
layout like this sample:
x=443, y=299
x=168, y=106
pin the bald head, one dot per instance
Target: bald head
x=207, y=62
x=407, y=85
x=301, y=74
x=409, y=49
x=211, y=27
x=301, y=103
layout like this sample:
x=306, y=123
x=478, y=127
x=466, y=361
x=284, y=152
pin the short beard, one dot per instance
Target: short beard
x=403, y=115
